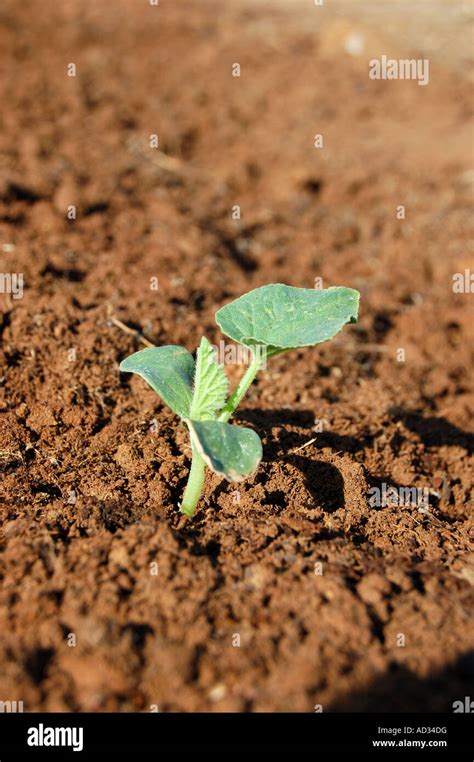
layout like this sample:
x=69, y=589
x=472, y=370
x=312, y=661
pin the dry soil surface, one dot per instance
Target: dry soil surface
x=295, y=591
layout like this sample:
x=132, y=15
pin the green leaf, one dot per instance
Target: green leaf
x=231, y=451
x=210, y=384
x=169, y=371
x=283, y=317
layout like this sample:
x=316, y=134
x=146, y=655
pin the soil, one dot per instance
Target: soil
x=111, y=599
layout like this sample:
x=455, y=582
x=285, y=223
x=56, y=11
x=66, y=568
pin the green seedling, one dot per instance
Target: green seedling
x=267, y=322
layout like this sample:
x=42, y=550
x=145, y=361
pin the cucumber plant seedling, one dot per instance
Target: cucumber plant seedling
x=274, y=318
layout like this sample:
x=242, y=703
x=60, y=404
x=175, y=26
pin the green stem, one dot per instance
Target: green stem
x=195, y=484
x=241, y=390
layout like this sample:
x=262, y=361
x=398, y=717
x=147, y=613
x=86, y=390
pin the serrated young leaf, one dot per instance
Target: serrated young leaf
x=210, y=384
x=230, y=451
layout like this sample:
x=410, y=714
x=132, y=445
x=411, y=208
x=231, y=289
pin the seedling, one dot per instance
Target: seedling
x=274, y=318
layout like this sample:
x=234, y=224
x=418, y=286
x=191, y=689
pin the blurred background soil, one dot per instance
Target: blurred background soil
x=334, y=602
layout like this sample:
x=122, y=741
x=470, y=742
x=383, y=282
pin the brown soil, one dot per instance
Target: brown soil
x=76, y=430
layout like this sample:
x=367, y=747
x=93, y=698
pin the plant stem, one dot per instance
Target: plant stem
x=240, y=391
x=195, y=484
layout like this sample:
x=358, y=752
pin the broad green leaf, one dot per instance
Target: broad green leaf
x=283, y=317
x=169, y=371
x=210, y=384
x=231, y=451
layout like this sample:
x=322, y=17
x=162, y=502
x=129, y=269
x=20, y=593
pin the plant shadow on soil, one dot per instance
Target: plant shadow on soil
x=315, y=472
x=267, y=420
x=400, y=690
x=434, y=431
